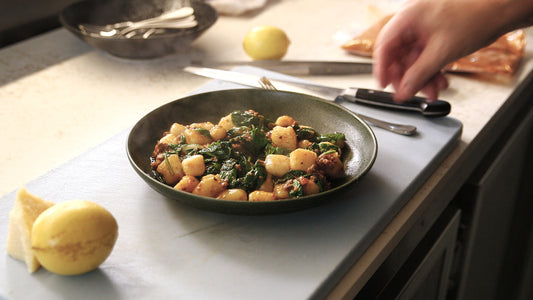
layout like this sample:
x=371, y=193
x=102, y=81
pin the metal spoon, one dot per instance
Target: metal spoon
x=133, y=30
x=170, y=19
x=396, y=128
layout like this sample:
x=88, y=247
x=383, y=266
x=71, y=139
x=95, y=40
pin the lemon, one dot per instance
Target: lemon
x=73, y=237
x=266, y=42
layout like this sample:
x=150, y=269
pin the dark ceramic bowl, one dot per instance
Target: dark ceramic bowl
x=323, y=116
x=104, y=12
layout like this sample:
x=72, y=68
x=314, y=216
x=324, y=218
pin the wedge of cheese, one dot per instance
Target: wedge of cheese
x=26, y=209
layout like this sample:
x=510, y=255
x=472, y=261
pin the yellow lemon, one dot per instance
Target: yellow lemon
x=266, y=42
x=73, y=237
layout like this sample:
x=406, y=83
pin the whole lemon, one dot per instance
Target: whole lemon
x=73, y=237
x=266, y=42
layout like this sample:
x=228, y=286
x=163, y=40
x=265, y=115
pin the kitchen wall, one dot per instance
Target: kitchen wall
x=20, y=19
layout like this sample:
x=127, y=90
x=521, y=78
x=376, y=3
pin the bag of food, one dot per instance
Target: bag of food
x=502, y=57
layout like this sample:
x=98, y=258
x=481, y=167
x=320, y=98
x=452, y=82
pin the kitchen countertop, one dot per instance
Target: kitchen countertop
x=58, y=93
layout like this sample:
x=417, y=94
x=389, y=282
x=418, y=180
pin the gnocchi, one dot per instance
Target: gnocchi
x=248, y=157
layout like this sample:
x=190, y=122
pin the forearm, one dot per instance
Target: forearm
x=502, y=16
x=425, y=35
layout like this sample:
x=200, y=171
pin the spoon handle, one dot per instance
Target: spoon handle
x=396, y=128
x=177, y=14
x=185, y=23
x=179, y=18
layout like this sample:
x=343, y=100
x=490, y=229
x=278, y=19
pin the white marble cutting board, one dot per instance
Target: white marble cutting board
x=168, y=250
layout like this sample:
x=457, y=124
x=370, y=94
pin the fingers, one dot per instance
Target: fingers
x=384, y=69
x=409, y=54
x=431, y=89
x=424, y=74
x=434, y=86
x=388, y=51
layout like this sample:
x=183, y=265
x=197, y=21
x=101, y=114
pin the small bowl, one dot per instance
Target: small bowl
x=104, y=12
x=326, y=117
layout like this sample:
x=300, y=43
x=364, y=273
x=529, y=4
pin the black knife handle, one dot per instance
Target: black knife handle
x=436, y=108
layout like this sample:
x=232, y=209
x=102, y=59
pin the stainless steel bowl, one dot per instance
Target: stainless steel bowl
x=104, y=12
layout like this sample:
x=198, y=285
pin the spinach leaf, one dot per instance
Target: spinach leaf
x=305, y=133
x=323, y=147
x=258, y=141
x=252, y=179
x=220, y=150
x=229, y=172
x=334, y=138
x=189, y=150
x=240, y=118
x=237, y=131
x=297, y=190
x=178, y=148
x=260, y=174
x=214, y=155
x=292, y=174
x=212, y=165
x=249, y=119
x=203, y=132
x=317, y=179
x=252, y=141
x=270, y=149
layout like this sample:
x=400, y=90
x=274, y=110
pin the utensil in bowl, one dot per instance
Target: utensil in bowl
x=147, y=42
x=180, y=18
x=359, y=154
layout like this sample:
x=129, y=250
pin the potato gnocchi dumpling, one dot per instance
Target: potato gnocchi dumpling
x=248, y=157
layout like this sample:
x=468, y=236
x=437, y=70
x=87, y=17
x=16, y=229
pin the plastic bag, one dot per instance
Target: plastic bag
x=502, y=57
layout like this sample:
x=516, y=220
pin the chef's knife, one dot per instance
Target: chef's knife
x=296, y=67
x=356, y=95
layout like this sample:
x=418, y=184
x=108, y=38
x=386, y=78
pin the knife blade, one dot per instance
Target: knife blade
x=296, y=67
x=356, y=95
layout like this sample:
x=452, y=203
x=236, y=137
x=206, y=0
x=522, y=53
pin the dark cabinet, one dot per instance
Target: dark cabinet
x=418, y=271
x=481, y=244
x=498, y=218
x=430, y=278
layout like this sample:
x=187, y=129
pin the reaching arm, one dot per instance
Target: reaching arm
x=425, y=35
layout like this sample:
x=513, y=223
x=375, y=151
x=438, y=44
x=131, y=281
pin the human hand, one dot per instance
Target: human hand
x=425, y=35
